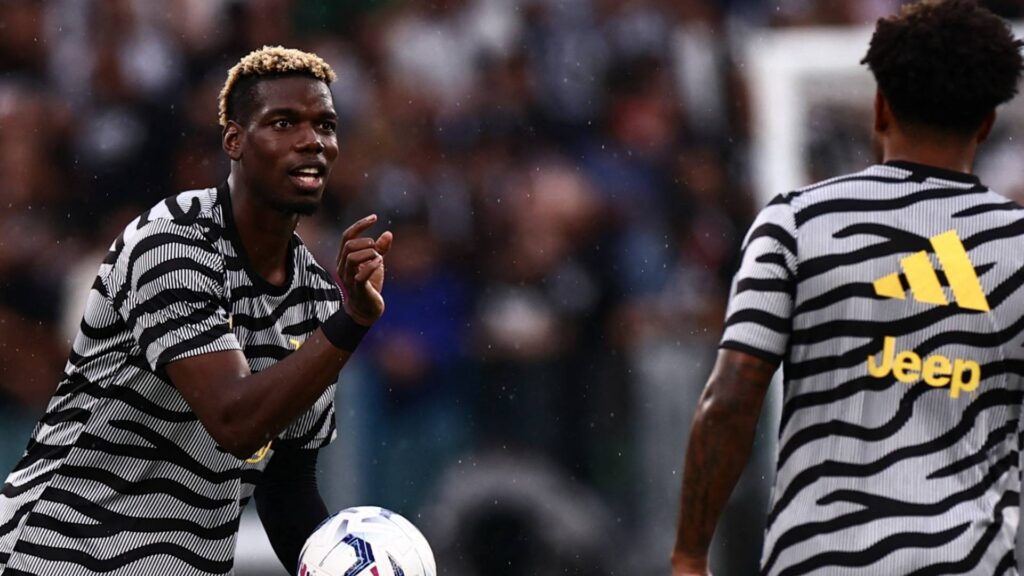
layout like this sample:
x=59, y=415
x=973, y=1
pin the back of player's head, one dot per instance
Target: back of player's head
x=944, y=64
x=238, y=96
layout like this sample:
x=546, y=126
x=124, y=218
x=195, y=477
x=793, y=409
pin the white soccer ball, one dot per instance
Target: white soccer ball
x=366, y=541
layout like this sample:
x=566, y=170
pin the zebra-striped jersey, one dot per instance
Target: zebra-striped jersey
x=892, y=298
x=119, y=476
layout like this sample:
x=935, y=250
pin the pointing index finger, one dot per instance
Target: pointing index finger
x=358, y=227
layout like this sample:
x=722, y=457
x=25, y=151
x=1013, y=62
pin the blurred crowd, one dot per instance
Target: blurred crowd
x=568, y=182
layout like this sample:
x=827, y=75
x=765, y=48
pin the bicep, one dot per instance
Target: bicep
x=739, y=380
x=206, y=381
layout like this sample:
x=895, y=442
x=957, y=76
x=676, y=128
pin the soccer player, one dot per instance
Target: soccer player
x=893, y=300
x=206, y=360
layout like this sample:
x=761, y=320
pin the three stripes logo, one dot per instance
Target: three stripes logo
x=923, y=282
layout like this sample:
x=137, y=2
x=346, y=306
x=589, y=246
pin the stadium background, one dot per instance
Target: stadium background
x=568, y=182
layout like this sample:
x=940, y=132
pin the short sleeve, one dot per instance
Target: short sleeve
x=759, y=317
x=168, y=284
x=315, y=428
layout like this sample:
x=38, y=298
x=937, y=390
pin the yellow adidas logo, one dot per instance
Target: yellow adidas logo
x=924, y=284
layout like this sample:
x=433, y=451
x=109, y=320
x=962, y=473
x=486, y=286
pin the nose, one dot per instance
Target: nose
x=310, y=140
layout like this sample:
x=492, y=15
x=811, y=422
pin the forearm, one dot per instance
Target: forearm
x=243, y=411
x=718, y=450
x=267, y=402
x=716, y=455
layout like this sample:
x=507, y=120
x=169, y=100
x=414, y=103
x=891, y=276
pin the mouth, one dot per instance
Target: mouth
x=308, y=177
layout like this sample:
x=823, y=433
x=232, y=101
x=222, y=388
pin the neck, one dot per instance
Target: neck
x=265, y=232
x=950, y=152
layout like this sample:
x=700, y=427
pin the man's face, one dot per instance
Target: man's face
x=289, y=144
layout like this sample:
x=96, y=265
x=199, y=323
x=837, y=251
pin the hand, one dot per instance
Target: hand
x=689, y=566
x=361, y=270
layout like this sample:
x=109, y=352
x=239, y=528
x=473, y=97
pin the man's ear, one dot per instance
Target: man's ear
x=231, y=140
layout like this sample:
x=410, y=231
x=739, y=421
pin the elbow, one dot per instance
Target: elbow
x=243, y=448
x=726, y=409
x=709, y=404
x=716, y=407
x=238, y=436
x=228, y=405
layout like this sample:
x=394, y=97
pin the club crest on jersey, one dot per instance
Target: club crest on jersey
x=260, y=454
x=924, y=284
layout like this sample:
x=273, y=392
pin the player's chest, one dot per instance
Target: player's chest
x=269, y=327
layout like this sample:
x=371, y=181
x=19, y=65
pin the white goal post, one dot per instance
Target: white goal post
x=789, y=69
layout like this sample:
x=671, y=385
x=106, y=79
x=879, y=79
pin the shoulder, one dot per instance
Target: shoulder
x=782, y=216
x=878, y=187
x=825, y=189
x=990, y=217
x=187, y=218
x=181, y=226
x=993, y=204
x=778, y=211
x=176, y=238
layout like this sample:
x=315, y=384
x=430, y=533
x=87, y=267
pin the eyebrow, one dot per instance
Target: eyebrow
x=286, y=111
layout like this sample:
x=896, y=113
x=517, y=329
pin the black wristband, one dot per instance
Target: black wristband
x=343, y=332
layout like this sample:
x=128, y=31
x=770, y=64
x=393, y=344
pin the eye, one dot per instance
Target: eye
x=281, y=123
x=328, y=126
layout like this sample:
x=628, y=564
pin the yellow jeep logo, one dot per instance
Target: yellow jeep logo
x=936, y=370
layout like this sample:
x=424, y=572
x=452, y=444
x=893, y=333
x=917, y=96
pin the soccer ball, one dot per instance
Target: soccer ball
x=366, y=541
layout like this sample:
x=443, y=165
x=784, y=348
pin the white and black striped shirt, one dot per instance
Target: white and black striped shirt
x=893, y=299
x=119, y=476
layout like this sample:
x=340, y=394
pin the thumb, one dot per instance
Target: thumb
x=383, y=243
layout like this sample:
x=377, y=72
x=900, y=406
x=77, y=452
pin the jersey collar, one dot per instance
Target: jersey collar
x=924, y=171
x=231, y=232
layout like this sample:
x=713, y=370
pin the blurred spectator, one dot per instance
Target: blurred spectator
x=629, y=159
x=540, y=293
x=34, y=249
x=831, y=12
x=420, y=378
x=23, y=41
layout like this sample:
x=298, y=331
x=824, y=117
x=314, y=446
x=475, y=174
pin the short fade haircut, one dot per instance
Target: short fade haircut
x=238, y=96
x=944, y=64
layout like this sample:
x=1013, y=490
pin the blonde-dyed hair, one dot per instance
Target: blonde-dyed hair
x=271, y=60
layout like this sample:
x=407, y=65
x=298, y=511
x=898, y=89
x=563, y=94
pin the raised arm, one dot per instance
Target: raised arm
x=719, y=447
x=243, y=411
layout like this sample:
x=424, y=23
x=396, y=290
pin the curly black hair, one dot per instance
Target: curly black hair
x=945, y=64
